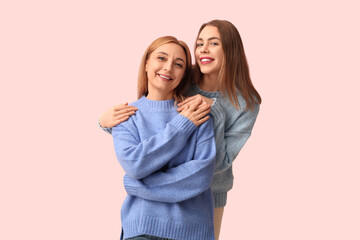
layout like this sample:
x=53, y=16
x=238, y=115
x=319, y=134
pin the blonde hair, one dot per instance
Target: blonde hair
x=234, y=72
x=180, y=90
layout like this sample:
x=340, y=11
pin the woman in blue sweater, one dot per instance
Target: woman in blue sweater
x=221, y=78
x=168, y=156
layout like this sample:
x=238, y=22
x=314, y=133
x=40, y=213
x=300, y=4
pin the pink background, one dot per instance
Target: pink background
x=62, y=63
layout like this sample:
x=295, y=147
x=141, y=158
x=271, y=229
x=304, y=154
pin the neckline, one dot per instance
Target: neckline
x=206, y=93
x=157, y=105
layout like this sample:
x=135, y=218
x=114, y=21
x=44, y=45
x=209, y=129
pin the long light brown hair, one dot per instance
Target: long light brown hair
x=143, y=80
x=234, y=73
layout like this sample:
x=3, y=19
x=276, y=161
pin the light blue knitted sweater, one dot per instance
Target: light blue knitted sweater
x=169, y=165
x=232, y=129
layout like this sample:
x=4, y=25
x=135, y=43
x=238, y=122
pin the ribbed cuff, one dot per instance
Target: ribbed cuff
x=217, y=112
x=220, y=199
x=108, y=130
x=168, y=229
x=129, y=189
x=183, y=123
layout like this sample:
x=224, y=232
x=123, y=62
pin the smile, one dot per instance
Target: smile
x=206, y=60
x=165, y=77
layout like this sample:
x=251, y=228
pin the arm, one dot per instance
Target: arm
x=230, y=138
x=139, y=158
x=184, y=181
x=121, y=113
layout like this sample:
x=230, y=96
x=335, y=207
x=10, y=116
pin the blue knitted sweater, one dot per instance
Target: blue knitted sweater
x=169, y=165
x=232, y=129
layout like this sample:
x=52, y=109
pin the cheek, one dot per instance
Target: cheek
x=221, y=55
x=151, y=73
x=197, y=54
x=152, y=68
x=180, y=74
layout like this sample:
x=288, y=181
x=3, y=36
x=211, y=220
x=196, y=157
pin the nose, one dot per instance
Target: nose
x=204, y=49
x=167, y=66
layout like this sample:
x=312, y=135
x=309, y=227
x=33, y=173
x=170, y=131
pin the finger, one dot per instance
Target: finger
x=201, y=116
x=180, y=109
x=185, y=110
x=124, y=115
x=195, y=104
x=201, y=121
x=121, y=106
x=202, y=113
x=184, y=102
x=187, y=100
x=203, y=108
x=121, y=120
x=203, y=105
x=124, y=111
x=186, y=105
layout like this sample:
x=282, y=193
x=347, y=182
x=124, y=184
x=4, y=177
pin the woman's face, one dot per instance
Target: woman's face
x=165, y=68
x=209, y=53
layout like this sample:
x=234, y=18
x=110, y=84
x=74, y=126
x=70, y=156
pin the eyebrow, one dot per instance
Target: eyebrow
x=212, y=38
x=168, y=55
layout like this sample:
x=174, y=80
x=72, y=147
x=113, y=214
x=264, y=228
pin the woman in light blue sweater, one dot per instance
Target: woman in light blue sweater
x=168, y=156
x=221, y=78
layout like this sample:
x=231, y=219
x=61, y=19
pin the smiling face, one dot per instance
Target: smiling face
x=165, y=68
x=209, y=53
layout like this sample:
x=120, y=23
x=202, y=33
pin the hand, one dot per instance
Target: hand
x=190, y=100
x=196, y=111
x=116, y=115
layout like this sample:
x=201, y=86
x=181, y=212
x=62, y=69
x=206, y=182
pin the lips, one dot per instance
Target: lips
x=165, y=77
x=206, y=60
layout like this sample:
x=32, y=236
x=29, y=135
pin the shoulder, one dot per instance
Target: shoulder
x=230, y=109
x=241, y=119
x=136, y=103
x=129, y=124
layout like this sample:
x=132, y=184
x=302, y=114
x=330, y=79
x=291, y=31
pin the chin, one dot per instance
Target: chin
x=206, y=71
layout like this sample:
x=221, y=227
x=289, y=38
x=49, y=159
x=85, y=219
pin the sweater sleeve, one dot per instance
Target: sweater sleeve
x=230, y=139
x=181, y=182
x=141, y=157
x=108, y=130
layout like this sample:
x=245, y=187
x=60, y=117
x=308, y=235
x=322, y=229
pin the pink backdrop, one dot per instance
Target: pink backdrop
x=62, y=63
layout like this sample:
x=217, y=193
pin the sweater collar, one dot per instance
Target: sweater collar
x=207, y=94
x=157, y=105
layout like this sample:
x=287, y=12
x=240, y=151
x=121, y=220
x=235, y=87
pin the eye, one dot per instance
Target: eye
x=214, y=44
x=161, y=58
x=179, y=65
x=199, y=44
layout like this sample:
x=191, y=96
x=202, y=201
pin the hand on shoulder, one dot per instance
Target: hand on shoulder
x=116, y=115
x=196, y=111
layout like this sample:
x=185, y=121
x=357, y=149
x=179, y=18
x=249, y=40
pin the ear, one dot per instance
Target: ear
x=146, y=66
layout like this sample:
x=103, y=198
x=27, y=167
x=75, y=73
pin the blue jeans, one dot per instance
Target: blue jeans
x=147, y=237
